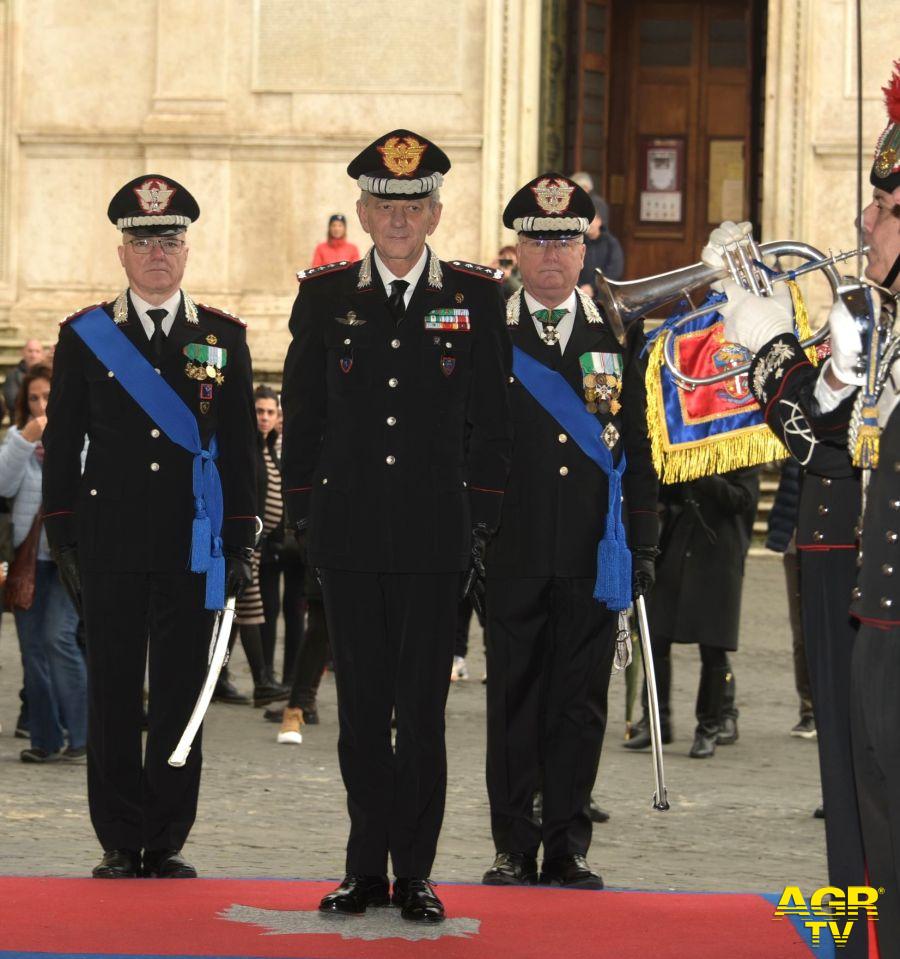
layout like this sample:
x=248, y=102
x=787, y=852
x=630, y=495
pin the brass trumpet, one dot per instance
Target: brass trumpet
x=626, y=302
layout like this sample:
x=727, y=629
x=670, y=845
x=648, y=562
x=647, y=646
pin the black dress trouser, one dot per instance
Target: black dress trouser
x=550, y=647
x=392, y=645
x=826, y=578
x=137, y=800
x=875, y=719
x=309, y=663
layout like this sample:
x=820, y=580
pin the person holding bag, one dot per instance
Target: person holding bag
x=46, y=619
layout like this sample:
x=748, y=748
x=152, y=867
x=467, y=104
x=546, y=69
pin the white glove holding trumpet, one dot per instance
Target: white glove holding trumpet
x=750, y=320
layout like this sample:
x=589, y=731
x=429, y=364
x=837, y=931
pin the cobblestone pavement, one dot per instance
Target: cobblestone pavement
x=741, y=821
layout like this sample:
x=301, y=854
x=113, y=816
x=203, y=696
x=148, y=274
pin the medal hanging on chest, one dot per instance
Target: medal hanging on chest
x=602, y=380
x=548, y=320
x=206, y=361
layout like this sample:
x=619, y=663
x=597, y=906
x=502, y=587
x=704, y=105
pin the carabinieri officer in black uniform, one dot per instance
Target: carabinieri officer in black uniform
x=396, y=450
x=127, y=532
x=559, y=572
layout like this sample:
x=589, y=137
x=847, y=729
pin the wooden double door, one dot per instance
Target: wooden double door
x=664, y=110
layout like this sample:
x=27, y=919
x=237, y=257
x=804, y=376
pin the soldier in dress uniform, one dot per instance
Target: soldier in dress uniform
x=144, y=377
x=579, y=415
x=817, y=405
x=827, y=530
x=396, y=450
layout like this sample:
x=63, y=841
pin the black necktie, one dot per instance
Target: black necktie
x=396, y=304
x=156, y=341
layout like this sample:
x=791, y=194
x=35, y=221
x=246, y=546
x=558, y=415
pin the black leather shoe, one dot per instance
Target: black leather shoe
x=118, y=864
x=266, y=693
x=704, y=745
x=227, y=692
x=167, y=864
x=310, y=716
x=819, y=812
x=511, y=869
x=573, y=872
x=417, y=900
x=728, y=731
x=355, y=894
x=596, y=813
x=640, y=736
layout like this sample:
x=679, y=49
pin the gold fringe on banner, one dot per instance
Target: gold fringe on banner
x=749, y=446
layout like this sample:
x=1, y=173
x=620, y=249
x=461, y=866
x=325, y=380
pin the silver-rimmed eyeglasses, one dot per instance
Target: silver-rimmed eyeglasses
x=562, y=245
x=168, y=244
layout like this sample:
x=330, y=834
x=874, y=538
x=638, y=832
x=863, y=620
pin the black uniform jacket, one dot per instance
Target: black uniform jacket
x=554, y=511
x=784, y=374
x=133, y=508
x=830, y=492
x=706, y=531
x=396, y=436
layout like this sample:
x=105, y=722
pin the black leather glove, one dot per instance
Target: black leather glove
x=474, y=585
x=66, y=559
x=238, y=570
x=643, y=570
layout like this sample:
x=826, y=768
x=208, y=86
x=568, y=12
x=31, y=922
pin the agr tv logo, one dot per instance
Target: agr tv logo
x=830, y=908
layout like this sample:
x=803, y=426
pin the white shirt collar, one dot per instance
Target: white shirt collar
x=565, y=325
x=170, y=305
x=412, y=277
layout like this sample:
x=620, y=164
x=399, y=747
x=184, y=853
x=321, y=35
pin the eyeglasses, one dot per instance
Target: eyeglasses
x=168, y=244
x=563, y=246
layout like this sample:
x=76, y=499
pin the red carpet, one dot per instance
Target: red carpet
x=261, y=918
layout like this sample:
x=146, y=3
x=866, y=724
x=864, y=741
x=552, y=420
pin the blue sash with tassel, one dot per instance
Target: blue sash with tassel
x=556, y=396
x=166, y=408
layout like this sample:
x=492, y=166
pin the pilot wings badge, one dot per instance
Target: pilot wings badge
x=402, y=155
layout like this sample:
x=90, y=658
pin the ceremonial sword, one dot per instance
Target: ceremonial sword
x=218, y=657
x=660, y=798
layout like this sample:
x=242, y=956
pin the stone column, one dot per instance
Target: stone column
x=511, y=111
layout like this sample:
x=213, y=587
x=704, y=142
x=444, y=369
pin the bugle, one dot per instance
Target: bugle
x=625, y=302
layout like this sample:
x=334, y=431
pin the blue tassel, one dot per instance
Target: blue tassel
x=201, y=534
x=613, y=585
x=215, y=582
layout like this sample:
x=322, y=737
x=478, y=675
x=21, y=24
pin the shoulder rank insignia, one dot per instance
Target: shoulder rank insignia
x=476, y=269
x=223, y=313
x=315, y=271
x=77, y=313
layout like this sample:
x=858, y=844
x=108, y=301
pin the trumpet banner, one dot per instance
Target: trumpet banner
x=714, y=428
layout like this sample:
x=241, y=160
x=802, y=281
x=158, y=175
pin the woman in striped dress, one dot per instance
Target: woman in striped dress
x=251, y=614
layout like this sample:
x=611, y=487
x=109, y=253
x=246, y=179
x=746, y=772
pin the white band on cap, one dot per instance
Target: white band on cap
x=127, y=222
x=534, y=224
x=385, y=185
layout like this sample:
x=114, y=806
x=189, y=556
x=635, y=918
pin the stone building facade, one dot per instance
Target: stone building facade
x=257, y=105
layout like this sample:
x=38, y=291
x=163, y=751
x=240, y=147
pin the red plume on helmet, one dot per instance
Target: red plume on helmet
x=886, y=166
x=892, y=94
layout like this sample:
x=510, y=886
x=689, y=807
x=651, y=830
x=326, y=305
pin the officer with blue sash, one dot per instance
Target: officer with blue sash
x=158, y=527
x=562, y=565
